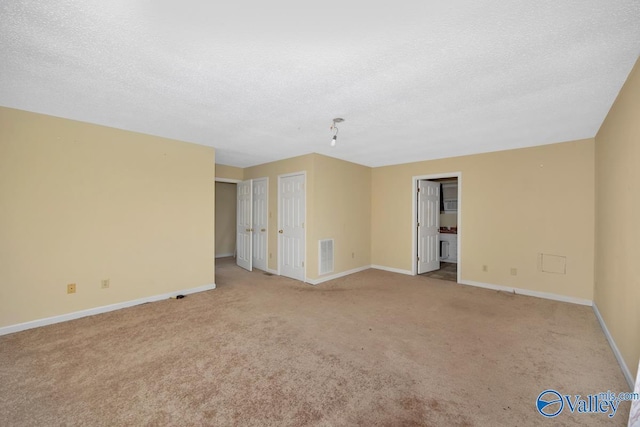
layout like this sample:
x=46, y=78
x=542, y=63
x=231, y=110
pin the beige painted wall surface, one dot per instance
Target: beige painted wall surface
x=225, y=219
x=229, y=172
x=80, y=203
x=343, y=212
x=448, y=220
x=515, y=204
x=271, y=171
x=617, y=276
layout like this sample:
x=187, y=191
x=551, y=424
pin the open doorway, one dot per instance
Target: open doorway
x=225, y=219
x=437, y=226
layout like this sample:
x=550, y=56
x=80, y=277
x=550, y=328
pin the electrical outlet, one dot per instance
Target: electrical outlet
x=71, y=288
x=514, y=271
x=104, y=284
x=485, y=268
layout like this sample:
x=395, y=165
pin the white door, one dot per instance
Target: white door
x=259, y=225
x=243, y=225
x=428, y=226
x=291, y=218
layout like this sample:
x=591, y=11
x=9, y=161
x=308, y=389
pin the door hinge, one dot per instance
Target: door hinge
x=303, y=263
x=418, y=258
x=418, y=189
x=418, y=224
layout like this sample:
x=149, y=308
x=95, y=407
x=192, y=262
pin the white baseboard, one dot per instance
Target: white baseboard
x=392, y=269
x=98, y=310
x=625, y=369
x=224, y=255
x=337, y=275
x=530, y=293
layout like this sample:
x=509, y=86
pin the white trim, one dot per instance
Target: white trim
x=414, y=222
x=487, y=286
x=98, y=310
x=527, y=292
x=555, y=297
x=225, y=255
x=623, y=365
x=228, y=180
x=337, y=275
x=393, y=270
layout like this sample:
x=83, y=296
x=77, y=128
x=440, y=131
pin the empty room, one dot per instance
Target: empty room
x=330, y=214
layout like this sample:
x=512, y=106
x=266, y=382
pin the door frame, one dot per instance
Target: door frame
x=286, y=175
x=226, y=181
x=414, y=218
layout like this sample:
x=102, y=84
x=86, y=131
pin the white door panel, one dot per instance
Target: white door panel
x=259, y=224
x=244, y=222
x=428, y=226
x=291, y=233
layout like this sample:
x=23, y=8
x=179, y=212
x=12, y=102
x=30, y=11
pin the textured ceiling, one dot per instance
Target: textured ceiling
x=262, y=81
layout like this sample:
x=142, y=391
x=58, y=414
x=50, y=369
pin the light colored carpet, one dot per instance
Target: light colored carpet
x=373, y=348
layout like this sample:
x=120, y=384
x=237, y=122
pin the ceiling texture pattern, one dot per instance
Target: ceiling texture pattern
x=262, y=81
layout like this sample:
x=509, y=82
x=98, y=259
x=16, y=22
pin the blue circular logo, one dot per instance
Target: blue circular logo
x=550, y=403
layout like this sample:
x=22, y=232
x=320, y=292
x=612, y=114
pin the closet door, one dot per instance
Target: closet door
x=244, y=223
x=259, y=225
x=291, y=232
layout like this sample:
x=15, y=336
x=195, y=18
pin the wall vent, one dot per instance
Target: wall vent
x=325, y=254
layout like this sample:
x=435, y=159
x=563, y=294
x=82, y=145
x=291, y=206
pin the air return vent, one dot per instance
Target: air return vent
x=325, y=253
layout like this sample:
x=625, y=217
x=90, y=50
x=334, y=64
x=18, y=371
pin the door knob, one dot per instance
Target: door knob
x=280, y=231
x=263, y=229
x=248, y=229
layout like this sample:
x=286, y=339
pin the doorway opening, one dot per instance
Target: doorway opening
x=225, y=218
x=437, y=226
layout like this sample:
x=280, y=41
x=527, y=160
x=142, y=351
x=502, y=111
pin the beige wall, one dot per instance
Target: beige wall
x=229, y=172
x=80, y=203
x=342, y=212
x=515, y=204
x=225, y=218
x=448, y=220
x=617, y=265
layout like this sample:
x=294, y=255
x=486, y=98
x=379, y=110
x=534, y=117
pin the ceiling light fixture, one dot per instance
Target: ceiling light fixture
x=334, y=128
